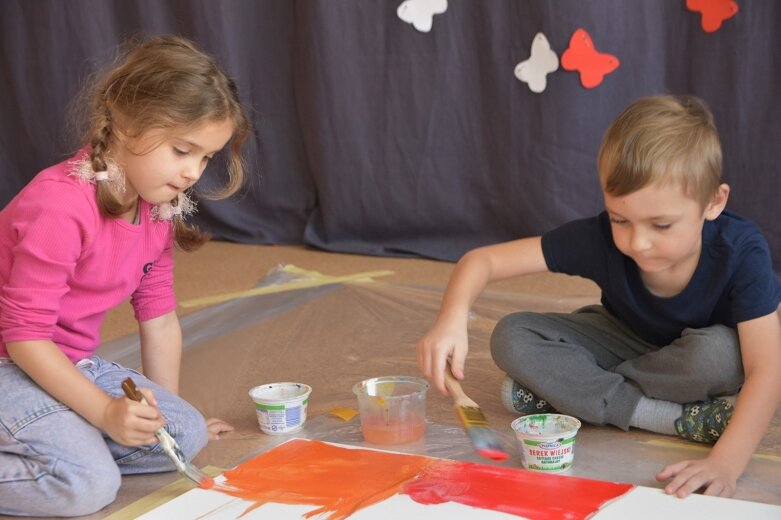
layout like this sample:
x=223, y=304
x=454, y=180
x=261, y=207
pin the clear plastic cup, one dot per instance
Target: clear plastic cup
x=392, y=408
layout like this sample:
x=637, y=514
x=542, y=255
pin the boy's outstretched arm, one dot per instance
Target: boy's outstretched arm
x=760, y=347
x=447, y=339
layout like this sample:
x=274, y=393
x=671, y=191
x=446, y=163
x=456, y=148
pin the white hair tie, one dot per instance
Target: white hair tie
x=182, y=206
x=113, y=174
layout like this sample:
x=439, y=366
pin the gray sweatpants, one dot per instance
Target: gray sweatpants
x=591, y=365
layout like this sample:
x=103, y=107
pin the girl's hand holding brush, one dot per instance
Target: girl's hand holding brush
x=132, y=423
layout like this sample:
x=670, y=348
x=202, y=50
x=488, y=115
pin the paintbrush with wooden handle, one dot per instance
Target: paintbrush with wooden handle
x=482, y=436
x=169, y=445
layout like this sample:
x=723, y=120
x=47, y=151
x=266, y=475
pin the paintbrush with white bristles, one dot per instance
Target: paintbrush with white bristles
x=169, y=445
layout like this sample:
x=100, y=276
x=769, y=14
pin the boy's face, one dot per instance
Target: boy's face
x=658, y=227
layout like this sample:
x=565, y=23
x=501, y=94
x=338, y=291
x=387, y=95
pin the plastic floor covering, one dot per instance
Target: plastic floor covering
x=332, y=336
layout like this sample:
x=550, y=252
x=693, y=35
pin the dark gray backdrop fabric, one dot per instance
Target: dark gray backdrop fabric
x=372, y=137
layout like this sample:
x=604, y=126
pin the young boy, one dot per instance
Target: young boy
x=689, y=300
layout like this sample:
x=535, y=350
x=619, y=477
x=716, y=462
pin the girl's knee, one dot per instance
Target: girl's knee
x=76, y=490
x=191, y=434
x=101, y=490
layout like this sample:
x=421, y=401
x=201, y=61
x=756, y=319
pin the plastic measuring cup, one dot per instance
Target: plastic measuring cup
x=392, y=408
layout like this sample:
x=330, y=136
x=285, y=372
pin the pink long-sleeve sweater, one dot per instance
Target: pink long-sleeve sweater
x=63, y=265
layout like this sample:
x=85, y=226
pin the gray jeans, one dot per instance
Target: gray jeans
x=590, y=365
x=55, y=463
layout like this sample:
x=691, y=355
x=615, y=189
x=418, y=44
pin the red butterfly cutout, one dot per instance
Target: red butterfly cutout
x=582, y=56
x=714, y=12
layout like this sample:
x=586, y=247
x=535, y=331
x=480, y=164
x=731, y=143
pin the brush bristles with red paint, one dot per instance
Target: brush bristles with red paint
x=471, y=416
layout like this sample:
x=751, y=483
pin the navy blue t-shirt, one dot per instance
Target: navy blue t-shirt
x=733, y=282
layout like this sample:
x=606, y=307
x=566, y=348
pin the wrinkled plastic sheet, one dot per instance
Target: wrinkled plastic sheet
x=333, y=336
x=329, y=337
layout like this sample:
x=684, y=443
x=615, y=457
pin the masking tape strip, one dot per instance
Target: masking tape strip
x=316, y=281
x=161, y=496
x=294, y=269
x=669, y=444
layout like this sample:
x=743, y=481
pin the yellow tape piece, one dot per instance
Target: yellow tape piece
x=345, y=414
x=694, y=447
x=161, y=496
x=317, y=279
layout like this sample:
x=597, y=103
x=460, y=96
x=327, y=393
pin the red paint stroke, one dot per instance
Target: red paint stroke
x=583, y=57
x=493, y=453
x=714, y=12
x=518, y=492
x=339, y=481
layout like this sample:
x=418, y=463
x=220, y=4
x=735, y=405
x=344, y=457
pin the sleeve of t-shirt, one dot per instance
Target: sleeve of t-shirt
x=155, y=294
x=577, y=248
x=53, y=222
x=755, y=291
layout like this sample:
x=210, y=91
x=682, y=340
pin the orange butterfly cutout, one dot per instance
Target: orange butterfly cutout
x=583, y=57
x=714, y=12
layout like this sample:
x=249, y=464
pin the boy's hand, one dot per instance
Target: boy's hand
x=441, y=344
x=131, y=423
x=688, y=476
x=216, y=427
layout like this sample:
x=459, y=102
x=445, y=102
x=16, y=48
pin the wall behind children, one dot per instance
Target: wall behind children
x=374, y=137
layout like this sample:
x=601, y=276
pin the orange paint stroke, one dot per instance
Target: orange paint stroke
x=338, y=480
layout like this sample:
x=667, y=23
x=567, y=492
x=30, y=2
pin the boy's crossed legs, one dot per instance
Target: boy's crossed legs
x=591, y=365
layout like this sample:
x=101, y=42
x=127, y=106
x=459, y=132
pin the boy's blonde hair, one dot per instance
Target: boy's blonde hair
x=662, y=140
x=163, y=83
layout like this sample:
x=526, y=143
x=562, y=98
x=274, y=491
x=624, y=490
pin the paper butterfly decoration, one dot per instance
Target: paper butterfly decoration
x=542, y=62
x=714, y=12
x=420, y=13
x=583, y=57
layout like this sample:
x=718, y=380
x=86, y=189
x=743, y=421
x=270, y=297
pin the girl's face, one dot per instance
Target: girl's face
x=159, y=164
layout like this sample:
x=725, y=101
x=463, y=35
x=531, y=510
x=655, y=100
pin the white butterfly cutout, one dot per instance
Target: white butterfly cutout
x=420, y=13
x=542, y=62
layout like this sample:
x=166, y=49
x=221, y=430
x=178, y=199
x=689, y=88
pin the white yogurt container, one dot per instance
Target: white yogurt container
x=547, y=441
x=281, y=407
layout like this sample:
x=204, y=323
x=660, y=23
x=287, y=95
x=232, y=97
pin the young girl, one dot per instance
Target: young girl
x=81, y=238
